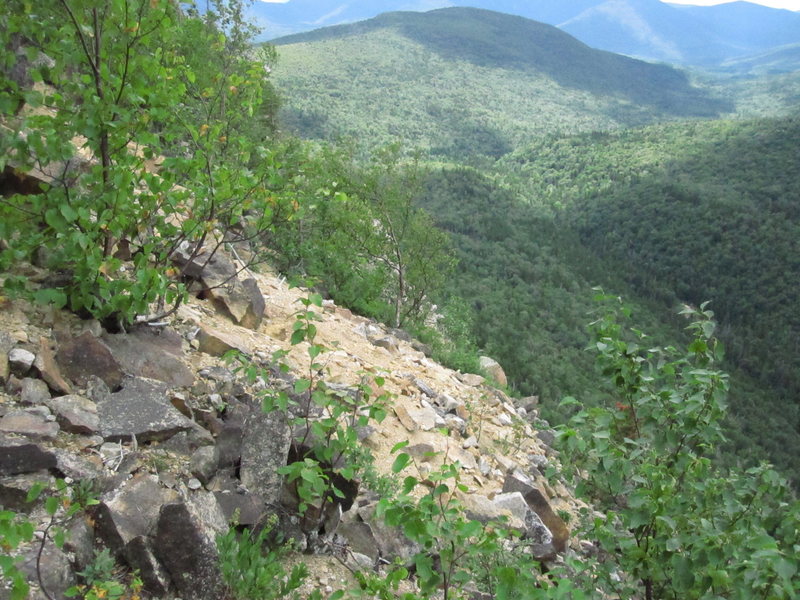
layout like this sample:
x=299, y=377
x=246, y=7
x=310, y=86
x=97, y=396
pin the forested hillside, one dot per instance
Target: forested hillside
x=461, y=82
x=666, y=214
x=176, y=420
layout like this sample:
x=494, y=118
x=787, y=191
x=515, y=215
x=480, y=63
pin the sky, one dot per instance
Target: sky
x=790, y=4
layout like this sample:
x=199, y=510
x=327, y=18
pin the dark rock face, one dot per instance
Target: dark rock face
x=22, y=456
x=131, y=511
x=265, y=447
x=539, y=504
x=241, y=300
x=185, y=544
x=84, y=356
x=14, y=489
x=250, y=507
x=152, y=355
x=141, y=409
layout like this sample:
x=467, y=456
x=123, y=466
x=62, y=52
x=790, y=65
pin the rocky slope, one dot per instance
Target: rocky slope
x=174, y=440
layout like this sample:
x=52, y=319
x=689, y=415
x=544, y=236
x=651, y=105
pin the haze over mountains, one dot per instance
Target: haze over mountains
x=707, y=36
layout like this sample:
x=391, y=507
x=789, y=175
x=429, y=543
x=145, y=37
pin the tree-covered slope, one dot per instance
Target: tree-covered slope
x=692, y=212
x=469, y=81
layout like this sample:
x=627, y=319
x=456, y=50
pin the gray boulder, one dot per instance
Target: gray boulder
x=152, y=354
x=22, y=456
x=186, y=545
x=265, y=448
x=141, y=409
x=84, y=356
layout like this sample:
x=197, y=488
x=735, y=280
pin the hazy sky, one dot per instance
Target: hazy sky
x=790, y=4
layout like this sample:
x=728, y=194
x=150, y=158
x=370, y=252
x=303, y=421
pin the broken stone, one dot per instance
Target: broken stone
x=54, y=568
x=20, y=361
x=425, y=388
x=389, y=343
x=131, y=511
x=203, y=463
x=265, y=447
x=416, y=418
x=217, y=343
x=140, y=409
x=140, y=556
x=75, y=414
x=248, y=507
x=14, y=489
x=48, y=368
x=471, y=379
x=152, y=354
x=536, y=499
x=22, y=456
x=34, y=391
x=84, y=356
x=241, y=300
x=5, y=368
x=185, y=543
x=30, y=425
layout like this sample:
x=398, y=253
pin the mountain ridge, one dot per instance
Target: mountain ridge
x=474, y=63
x=727, y=31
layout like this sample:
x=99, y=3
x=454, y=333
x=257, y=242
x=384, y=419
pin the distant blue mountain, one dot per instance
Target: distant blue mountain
x=692, y=35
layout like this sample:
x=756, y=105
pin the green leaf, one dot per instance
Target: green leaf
x=68, y=212
x=399, y=446
x=301, y=385
x=400, y=462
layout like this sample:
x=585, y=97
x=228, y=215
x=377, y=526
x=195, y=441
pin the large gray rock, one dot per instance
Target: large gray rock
x=34, y=391
x=141, y=556
x=141, y=409
x=54, y=567
x=85, y=356
x=23, y=456
x=131, y=510
x=240, y=299
x=28, y=424
x=75, y=414
x=265, y=447
x=415, y=418
x=127, y=517
x=14, y=489
x=152, y=354
x=538, y=502
x=216, y=343
x=492, y=368
x=186, y=545
x=20, y=361
x=538, y=537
